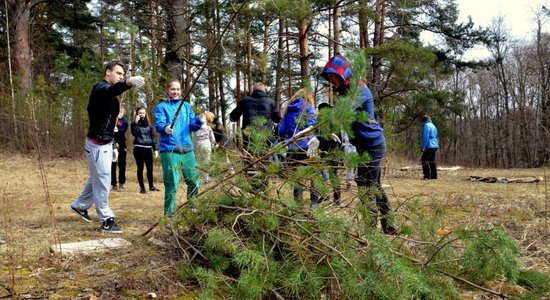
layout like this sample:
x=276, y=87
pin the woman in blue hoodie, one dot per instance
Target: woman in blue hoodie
x=176, y=148
x=298, y=119
x=368, y=136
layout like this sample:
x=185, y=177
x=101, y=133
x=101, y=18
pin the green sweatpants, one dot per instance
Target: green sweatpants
x=172, y=165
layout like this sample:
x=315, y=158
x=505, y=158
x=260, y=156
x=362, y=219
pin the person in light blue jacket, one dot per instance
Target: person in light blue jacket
x=429, y=148
x=176, y=148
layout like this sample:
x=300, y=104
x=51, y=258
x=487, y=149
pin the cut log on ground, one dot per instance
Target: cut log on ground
x=491, y=179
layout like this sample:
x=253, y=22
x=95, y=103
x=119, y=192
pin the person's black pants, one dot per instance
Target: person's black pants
x=428, y=163
x=121, y=163
x=144, y=156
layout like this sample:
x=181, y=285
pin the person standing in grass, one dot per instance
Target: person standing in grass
x=205, y=141
x=297, y=122
x=176, y=148
x=144, y=148
x=103, y=109
x=429, y=147
x=120, y=144
x=368, y=137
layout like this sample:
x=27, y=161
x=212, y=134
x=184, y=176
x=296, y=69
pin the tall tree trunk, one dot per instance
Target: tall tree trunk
x=176, y=28
x=20, y=24
x=265, y=56
x=378, y=41
x=249, y=59
x=279, y=63
x=288, y=61
x=543, y=57
x=209, y=16
x=154, y=71
x=363, y=24
x=337, y=24
x=303, y=27
x=187, y=43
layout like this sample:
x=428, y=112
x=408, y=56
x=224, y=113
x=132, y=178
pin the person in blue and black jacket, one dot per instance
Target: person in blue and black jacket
x=368, y=136
x=429, y=147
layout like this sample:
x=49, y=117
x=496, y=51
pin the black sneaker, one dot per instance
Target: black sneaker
x=143, y=191
x=82, y=213
x=110, y=226
x=154, y=189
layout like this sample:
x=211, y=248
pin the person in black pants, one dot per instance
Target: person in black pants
x=144, y=147
x=120, y=144
x=430, y=144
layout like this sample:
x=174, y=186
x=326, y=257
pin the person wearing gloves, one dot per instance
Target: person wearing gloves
x=120, y=147
x=144, y=148
x=429, y=147
x=176, y=148
x=205, y=141
x=368, y=136
x=103, y=108
x=295, y=125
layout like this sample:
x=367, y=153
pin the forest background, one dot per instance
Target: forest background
x=494, y=112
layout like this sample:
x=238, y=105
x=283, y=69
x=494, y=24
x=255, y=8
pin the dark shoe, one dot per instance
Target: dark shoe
x=143, y=191
x=390, y=230
x=154, y=189
x=121, y=187
x=114, y=188
x=82, y=213
x=110, y=226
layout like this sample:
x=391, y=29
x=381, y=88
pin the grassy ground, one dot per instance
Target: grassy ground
x=29, y=227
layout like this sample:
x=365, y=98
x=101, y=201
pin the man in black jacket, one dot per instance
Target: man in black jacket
x=254, y=106
x=257, y=105
x=103, y=109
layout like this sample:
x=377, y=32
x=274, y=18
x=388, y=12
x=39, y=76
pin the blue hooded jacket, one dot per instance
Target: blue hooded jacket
x=429, y=135
x=299, y=115
x=180, y=139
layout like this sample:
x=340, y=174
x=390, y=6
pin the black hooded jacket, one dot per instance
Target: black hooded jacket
x=256, y=105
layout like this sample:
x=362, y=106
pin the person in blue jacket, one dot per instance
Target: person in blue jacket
x=298, y=119
x=176, y=148
x=368, y=136
x=429, y=148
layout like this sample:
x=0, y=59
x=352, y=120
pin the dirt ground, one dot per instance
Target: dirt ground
x=28, y=227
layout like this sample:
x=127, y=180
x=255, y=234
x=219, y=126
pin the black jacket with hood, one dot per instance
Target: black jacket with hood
x=256, y=105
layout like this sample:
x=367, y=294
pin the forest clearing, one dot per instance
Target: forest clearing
x=134, y=272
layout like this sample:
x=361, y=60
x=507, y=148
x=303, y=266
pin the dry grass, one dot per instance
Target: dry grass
x=27, y=264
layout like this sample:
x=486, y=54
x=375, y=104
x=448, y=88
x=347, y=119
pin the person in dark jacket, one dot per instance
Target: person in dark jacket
x=144, y=148
x=254, y=106
x=368, y=136
x=429, y=147
x=120, y=144
x=103, y=108
x=257, y=105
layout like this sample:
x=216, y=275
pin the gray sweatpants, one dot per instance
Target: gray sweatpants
x=97, y=187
